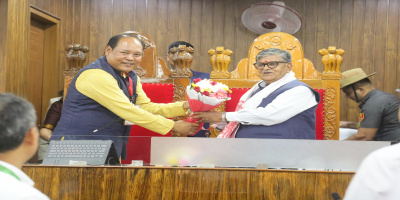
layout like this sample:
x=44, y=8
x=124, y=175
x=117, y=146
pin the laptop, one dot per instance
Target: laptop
x=90, y=152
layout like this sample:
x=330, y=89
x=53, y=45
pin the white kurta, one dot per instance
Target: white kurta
x=378, y=176
x=283, y=107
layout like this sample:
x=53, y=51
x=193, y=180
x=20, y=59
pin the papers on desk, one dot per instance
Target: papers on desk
x=345, y=133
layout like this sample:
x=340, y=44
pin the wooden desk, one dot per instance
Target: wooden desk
x=71, y=182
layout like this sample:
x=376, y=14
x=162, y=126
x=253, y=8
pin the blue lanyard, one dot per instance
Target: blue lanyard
x=7, y=171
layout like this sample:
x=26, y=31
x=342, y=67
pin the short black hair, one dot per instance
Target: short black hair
x=17, y=116
x=113, y=42
x=177, y=43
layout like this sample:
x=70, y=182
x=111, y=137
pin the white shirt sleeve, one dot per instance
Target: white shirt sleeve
x=378, y=176
x=282, y=108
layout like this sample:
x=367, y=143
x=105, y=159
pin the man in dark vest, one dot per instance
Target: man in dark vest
x=378, y=118
x=107, y=95
x=279, y=106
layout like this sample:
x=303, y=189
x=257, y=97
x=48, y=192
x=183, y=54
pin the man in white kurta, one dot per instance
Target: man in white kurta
x=378, y=176
x=17, y=185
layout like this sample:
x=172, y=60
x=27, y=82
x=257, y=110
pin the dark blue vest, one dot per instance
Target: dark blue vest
x=82, y=118
x=301, y=126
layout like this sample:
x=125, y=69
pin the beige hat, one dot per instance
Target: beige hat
x=354, y=75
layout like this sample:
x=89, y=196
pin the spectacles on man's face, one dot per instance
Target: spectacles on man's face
x=270, y=64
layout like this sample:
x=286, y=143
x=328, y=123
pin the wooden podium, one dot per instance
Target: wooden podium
x=123, y=182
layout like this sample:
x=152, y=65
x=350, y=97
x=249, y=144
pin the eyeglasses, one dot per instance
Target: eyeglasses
x=271, y=64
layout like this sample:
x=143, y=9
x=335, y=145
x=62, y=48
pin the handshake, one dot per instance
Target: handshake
x=190, y=128
x=183, y=127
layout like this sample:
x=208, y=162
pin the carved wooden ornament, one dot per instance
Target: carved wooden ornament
x=220, y=60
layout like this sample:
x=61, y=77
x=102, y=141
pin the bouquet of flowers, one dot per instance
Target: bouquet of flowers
x=205, y=95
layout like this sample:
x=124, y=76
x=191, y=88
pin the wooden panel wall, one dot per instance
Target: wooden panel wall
x=16, y=47
x=365, y=29
x=3, y=42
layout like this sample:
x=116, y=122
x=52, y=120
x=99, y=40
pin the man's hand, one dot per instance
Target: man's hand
x=348, y=124
x=184, y=127
x=45, y=133
x=210, y=116
x=366, y=134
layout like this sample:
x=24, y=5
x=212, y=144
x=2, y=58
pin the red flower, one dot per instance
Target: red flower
x=213, y=83
x=196, y=80
x=206, y=93
x=197, y=89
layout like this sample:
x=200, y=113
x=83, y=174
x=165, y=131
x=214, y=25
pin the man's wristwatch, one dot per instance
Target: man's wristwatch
x=224, y=117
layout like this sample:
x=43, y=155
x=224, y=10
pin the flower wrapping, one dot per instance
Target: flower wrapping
x=205, y=95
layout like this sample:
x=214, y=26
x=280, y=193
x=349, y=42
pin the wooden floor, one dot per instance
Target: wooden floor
x=72, y=182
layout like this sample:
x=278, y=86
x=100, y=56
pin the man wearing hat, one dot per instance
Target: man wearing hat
x=379, y=119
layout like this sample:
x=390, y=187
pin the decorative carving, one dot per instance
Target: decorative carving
x=276, y=41
x=75, y=60
x=220, y=60
x=260, y=45
x=290, y=46
x=179, y=93
x=220, y=108
x=332, y=61
x=182, y=59
x=76, y=56
x=140, y=71
x=330, y=113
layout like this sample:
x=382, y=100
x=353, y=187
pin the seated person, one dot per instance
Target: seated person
x=378, y=176
x=52, y=117
x=50, y=122
x=378, y=117
x=279, y=106
x=196, y=74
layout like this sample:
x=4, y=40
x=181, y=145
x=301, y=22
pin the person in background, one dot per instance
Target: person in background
x=378, y=176
x=51, y=119
x=378, y=118
x=279, y=106
x=106, y=96
x=18, y=143
x=196, y=74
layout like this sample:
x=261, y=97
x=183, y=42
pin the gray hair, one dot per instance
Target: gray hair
x=17, y=116
x=285, y=55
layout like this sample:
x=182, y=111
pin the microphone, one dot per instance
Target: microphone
x=335, y=196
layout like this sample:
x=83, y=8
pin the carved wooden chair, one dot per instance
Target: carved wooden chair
x=245, y=76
